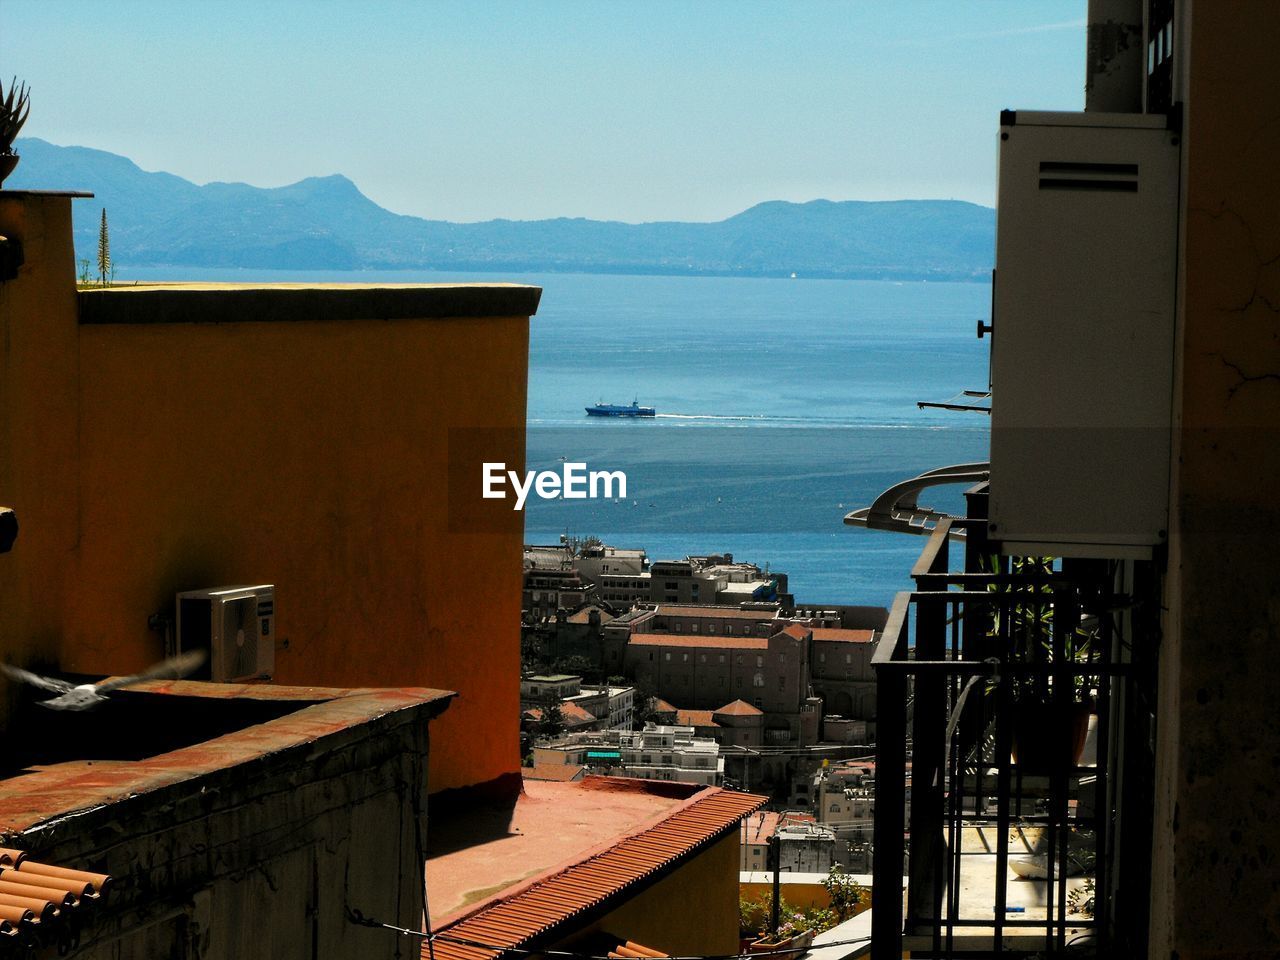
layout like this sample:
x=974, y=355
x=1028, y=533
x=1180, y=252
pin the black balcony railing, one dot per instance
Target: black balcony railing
x=1003, y=690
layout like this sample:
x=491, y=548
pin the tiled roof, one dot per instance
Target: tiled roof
x=572, y=714
x=37, y=896
x=761, y=826
x=695, y=718
x=796, y=632
x=718, y=613
x=595, y=883
x=845, y=636
x=661, y=706
x=740, y=708
x=694, y=640
x=584, y=615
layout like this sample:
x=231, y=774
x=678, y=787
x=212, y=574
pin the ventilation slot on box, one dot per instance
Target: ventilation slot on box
x=1104, y=177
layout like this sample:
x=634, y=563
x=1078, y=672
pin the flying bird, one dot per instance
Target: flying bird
x=86, y=696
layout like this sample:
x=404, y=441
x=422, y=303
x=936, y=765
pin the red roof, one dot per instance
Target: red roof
x=845, y=636
x=740, y=708
x=761, y=826
x=661, y=706
x=796, y=632
x=694, y=640
x=594, y=885
x=718, y=613
x=572, y=714
x=695, y=718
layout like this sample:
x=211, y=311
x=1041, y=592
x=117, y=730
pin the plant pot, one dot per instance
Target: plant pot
x=799, y=943
x=1049, y=737
x=7, y=162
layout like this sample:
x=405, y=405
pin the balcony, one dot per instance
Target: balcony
x=1014, y=728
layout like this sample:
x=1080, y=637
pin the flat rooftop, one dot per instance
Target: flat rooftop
x=305, y=302
x=476, y=855
x=159, y=734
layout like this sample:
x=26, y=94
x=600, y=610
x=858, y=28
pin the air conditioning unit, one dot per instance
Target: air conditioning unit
x=236, y=625
x=1082, y=346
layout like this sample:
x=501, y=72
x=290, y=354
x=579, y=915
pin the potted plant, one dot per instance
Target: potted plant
x=14, y=108
x=1049, y=728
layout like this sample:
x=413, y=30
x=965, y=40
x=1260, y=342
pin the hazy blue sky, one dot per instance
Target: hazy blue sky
x=636, y=111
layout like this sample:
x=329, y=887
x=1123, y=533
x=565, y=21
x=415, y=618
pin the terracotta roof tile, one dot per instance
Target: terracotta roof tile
x=795, y=631
x=594, y=883
x=718, y=613
x=37, y=896
x=740, y=708
x=661, y=706
x=695, y=718
x=846, y=636
x=698, y=640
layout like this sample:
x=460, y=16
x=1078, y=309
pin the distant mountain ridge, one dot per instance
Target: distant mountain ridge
x=326, y=223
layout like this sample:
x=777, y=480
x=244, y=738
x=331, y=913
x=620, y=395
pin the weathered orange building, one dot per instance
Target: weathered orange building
x=166, y=438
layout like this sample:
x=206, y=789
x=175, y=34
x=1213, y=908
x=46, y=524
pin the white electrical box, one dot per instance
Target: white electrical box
x=236, y=625
x=1082, y=346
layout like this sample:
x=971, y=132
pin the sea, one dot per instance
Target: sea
x=783, y=404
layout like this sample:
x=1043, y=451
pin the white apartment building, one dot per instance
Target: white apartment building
x=654, y=753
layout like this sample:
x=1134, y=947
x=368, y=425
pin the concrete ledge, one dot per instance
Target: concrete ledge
x=311, y=302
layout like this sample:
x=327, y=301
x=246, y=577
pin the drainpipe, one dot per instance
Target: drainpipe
x=1115, y=64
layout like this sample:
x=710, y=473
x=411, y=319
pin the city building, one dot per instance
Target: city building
x=546, y=592
x=658, y=752
x=537, y=689
x=842, y=677
x=614, y=705
x=704, y=670
x=804, y=846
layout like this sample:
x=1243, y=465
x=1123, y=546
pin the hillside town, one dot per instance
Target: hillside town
x=703, y=670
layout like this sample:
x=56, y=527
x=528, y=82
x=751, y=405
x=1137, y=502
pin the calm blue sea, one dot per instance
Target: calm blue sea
x=783, y=404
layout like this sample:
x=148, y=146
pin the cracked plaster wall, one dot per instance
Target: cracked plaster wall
x=1216, y=879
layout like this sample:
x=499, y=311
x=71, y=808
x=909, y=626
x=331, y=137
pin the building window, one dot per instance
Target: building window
x=679, y=628
x=782, y=659
x=835, y=808
x=759, y=702
x=667, y=656
x=711, y=628
x=822, y=658
x=702, y=658
x=722, y=658
x=739, y=659
x=848, y=658
x=684, y=658
x=758, y=680
x=722, y=682
x=759, y=660
x=739, y=684
x=782, y=684
x=693, y=628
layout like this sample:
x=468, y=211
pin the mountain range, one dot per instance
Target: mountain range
x=326, y=223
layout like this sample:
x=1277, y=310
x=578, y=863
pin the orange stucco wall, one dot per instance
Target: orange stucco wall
x=148, y=458
x=694, y=911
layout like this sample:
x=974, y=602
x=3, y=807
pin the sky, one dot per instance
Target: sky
x=621, y=111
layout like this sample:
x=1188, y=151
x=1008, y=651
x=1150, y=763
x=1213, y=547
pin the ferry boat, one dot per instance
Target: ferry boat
x=616, y=410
